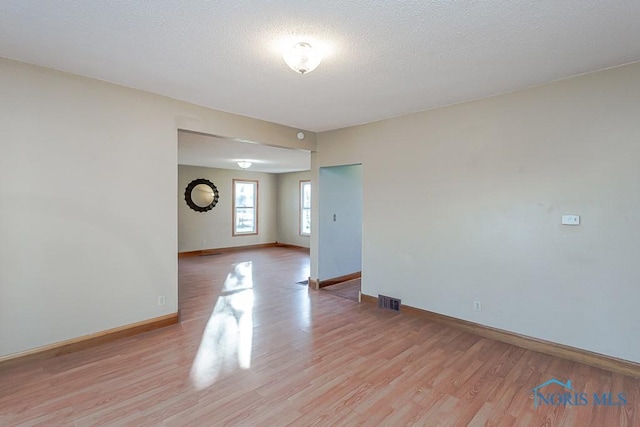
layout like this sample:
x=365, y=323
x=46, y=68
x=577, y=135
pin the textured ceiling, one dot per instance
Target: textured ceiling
x=387, y=58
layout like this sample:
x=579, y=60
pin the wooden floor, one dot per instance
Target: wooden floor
x=349, y=289
x=254, y=348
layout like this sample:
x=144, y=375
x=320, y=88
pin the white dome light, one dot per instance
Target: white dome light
x=244, y=164
x=302, y=58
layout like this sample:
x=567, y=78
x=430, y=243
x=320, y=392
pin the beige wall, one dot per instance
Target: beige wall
x=278, y=210
x=88, y=216
x=289, y=208
x=213, y=229
x=463, y=204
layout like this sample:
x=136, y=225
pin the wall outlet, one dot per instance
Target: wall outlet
x=477, y=306
x=161, y=300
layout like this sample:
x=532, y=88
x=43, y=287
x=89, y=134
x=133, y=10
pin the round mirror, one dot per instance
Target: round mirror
x=201, y=195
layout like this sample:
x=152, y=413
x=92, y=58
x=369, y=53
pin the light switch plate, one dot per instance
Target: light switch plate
x=570, y=219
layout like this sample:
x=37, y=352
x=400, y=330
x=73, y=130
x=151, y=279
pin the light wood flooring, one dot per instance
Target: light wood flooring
x=256, y=349
x=349, y=289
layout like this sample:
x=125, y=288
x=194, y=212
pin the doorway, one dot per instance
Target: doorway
x=339, y=225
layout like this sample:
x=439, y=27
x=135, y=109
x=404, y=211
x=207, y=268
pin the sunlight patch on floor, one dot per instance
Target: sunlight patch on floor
x=227, y=338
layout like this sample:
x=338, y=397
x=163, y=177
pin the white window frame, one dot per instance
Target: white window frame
x=304, y=208
x=254, y=230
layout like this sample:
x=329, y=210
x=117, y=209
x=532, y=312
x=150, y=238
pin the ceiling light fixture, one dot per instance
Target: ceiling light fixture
x=302, y=58
x=243, y=164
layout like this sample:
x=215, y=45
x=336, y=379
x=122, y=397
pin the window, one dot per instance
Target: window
x=245, y=207
x=305, y=208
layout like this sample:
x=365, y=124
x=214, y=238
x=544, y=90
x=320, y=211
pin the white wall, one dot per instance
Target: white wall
x=289, y=208
x=464, y=203
x=88, y=216
x=340, y=250
x=214, y=228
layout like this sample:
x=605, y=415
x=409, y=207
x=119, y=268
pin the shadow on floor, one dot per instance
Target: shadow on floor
x=349, y=289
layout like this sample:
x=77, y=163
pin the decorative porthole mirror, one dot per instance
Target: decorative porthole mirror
x=201, y=195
